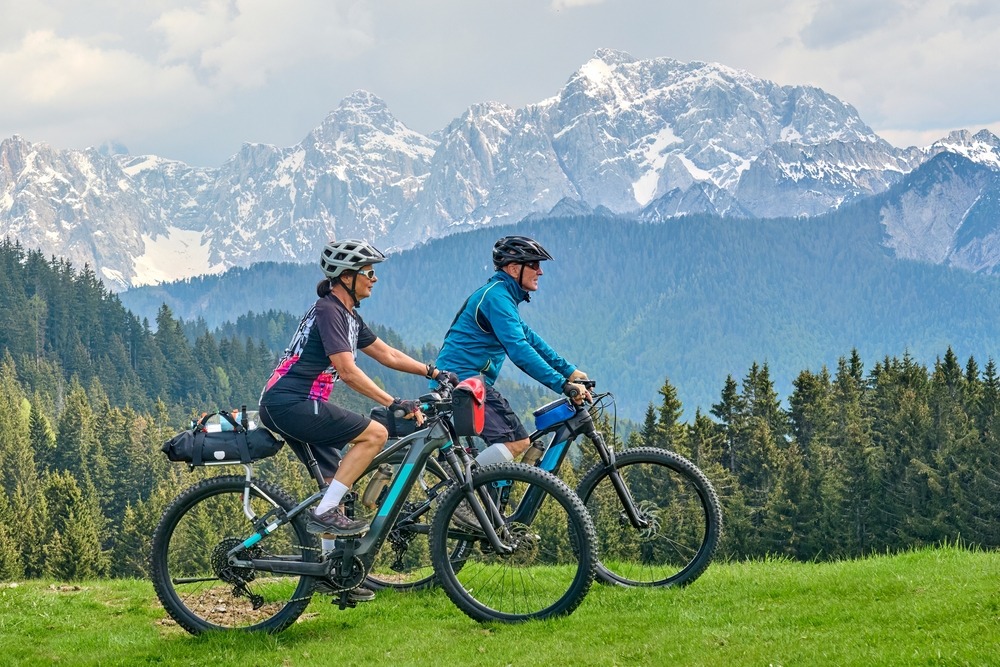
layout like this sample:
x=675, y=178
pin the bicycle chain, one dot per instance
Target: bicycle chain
x=331, y=581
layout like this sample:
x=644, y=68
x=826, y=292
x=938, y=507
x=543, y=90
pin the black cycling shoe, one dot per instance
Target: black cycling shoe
x=334, y=523
x=359, y=594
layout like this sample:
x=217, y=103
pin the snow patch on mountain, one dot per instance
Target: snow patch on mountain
x=653, y=156
x=652, y=138
x=177, y=252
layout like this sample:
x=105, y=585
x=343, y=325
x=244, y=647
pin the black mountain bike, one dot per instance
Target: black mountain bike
x=232, y=552
x=657, y=517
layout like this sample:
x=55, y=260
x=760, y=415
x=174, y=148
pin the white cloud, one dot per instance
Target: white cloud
x=202, y=76
x=243, y=43
x=66, y=76
x=558, y=5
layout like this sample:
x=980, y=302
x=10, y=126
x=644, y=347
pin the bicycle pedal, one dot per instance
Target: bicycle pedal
x=344, y=601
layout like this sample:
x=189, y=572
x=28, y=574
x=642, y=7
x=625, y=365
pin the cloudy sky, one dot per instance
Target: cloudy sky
x=193, y=80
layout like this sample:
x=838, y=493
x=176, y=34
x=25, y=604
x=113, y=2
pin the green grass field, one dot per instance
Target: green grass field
x=932, y=607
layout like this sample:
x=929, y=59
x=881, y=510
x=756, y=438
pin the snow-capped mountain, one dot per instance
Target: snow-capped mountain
x=649, y=138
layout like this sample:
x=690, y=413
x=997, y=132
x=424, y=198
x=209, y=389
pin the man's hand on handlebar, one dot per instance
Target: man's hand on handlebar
x=447, y=377
x=577, y=392
x=408, y=409
x=577, y=375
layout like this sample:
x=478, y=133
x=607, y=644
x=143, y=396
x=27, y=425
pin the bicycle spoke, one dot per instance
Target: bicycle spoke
x=192, y=574
x=548, y=570
x=681, y=511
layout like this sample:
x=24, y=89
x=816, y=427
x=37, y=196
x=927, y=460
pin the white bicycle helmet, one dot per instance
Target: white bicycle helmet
x=348, y=255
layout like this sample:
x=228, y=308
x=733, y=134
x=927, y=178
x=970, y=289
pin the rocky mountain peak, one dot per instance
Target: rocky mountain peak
x=652, y=138
x=983, y=147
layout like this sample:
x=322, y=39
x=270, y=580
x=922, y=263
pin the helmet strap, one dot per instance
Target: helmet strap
x=520, y=283
x=352, y=290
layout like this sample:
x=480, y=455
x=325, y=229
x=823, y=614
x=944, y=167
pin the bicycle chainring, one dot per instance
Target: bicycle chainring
x=339, y=583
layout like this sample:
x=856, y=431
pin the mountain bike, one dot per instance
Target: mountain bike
x=232, y=552
x=658, y=518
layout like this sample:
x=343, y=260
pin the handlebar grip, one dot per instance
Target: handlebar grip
x=572, y=392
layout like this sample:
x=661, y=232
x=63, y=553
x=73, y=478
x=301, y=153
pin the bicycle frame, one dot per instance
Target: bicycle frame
x=419, y=447
x=564, y=433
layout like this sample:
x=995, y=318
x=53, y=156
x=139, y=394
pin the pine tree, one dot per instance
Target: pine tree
x=668, y=423
x=730, y=411
x=73, y=551
x=41, y=436
x=650, y=435
x=859, y=462
x=76, y=438
x=135, y=537
x=11, y=566
x=788, y=515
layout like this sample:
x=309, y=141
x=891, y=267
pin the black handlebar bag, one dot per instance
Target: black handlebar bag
x=197, y=446
x=396, y=426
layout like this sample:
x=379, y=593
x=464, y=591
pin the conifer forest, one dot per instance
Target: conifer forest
x=870, y=456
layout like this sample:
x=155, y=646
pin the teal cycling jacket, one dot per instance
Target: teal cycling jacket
x=488, y=329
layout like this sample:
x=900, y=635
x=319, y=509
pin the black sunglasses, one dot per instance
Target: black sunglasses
x=532, y=265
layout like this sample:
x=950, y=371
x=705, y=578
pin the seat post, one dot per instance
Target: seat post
x=305, y=453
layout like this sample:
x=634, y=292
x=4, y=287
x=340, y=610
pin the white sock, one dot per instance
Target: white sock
x=495, y=453
x=334, y=494
x=329, y=545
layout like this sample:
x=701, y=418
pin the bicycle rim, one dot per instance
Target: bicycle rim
x=682, y=514
x=190, y=572
x=552, y=564
x=403, y=562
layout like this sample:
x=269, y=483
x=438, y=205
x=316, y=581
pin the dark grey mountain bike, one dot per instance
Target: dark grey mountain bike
x=232, y=552
x=658, y=518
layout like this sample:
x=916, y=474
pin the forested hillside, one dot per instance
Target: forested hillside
x=693, y=299
x=862, y=461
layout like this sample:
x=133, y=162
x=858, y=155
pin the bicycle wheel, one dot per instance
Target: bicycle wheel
x=552, y=564
x=190, y=572
x=403, y=562
x=678, y=502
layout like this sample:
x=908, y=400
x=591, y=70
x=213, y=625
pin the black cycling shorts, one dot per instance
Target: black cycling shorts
x=502, y=424
x=325, y=426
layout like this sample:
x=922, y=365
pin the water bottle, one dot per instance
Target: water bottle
x=380, y=480
x=534, y=453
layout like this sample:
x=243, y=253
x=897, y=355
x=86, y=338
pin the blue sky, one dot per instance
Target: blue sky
x=194, y=80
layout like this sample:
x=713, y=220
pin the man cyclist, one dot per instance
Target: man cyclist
x=488, y=329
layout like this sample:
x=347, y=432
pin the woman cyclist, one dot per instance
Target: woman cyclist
x=322, y=351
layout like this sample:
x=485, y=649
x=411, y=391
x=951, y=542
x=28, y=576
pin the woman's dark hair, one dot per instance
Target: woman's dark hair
x=323, y=287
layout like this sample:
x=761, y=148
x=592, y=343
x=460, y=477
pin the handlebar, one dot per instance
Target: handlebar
x=573, y=393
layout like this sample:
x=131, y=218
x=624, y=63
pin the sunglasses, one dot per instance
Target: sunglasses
x=532, y=265
x=369, y=274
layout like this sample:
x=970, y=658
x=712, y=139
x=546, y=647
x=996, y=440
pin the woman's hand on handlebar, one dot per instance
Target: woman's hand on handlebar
x=408, y=409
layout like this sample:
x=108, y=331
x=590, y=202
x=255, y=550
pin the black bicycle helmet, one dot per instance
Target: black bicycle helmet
x=348, y=255
x=518, y=250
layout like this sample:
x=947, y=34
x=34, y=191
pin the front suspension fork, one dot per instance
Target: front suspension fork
x=624, y=495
